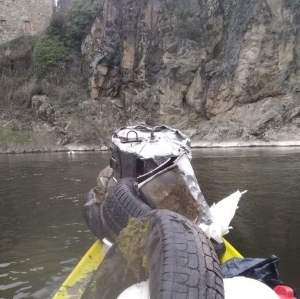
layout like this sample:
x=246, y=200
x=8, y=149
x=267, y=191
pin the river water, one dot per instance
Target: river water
x=43, y=236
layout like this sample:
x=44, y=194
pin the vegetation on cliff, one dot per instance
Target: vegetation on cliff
x=48, y=52
x=51, y=65
x=65, y=34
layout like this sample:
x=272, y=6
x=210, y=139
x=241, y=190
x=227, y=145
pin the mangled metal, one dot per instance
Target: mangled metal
x=140, y=149
x=175, y=187
x=159, y=158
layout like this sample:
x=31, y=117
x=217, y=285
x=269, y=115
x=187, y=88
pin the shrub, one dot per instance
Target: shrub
x=65, y=33
x=16, y=56
x=80, y=19
x=57, y=26
x=48, y=52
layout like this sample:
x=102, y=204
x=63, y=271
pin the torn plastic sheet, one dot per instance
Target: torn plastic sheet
x=222, y=213
x=174, y=186
x=264, y=270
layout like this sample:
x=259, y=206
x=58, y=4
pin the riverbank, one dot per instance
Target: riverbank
x=256, y=143
x=195, y=144
x=52, y=149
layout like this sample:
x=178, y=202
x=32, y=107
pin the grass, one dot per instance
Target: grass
x=20, y=141
x=131, y=243
x=14, y=138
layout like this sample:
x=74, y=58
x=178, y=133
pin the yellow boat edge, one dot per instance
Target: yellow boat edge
x=74, y=285
x=76, y=282
x=230, y=252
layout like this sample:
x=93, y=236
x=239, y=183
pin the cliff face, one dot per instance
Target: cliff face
x=217, y=69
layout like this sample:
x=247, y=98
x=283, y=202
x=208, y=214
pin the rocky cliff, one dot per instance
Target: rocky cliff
x=217, y=69
x=222, y=71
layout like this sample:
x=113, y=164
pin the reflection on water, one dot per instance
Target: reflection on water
x=43, y=235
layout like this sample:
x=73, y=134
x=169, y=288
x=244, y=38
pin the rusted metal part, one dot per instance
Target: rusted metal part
x=167, y=190
x=175, y=187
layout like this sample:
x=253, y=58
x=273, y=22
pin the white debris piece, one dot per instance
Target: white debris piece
x=246, y=288
x=137, y=291
x=222, y=214
x=107, y=243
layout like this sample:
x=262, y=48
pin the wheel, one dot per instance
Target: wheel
x=91, y=211
x=182, y=262
x=219, y=248
x=122, y=202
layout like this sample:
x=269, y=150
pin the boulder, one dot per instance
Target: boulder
x=42, y=108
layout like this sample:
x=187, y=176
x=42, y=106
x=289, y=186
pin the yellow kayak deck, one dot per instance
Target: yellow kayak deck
x=76, y=282
x=230, y=252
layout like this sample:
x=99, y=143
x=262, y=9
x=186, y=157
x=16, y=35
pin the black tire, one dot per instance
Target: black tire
x=122, y=202
x=219, y=248
x=182, y=262
x=91, y=211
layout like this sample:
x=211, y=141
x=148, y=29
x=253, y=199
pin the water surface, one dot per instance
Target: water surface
x=42, y=231
x=268, y=219
x=43, y=235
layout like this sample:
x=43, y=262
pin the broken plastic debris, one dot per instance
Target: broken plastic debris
x=137, y=291
x=106, y=242
x=222, y=213
x=247, y=288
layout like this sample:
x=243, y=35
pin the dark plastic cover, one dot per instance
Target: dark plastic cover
x=264, y=270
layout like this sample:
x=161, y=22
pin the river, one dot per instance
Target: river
x=43, y=235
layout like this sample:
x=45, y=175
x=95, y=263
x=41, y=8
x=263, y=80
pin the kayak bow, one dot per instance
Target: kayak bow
x=76, y=282
x=74, y=285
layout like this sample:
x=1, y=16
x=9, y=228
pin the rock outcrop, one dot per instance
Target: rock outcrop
x=216, y=69
x=42, y=108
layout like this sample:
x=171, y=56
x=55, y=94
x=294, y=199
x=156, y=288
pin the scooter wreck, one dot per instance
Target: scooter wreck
x=166, y=242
